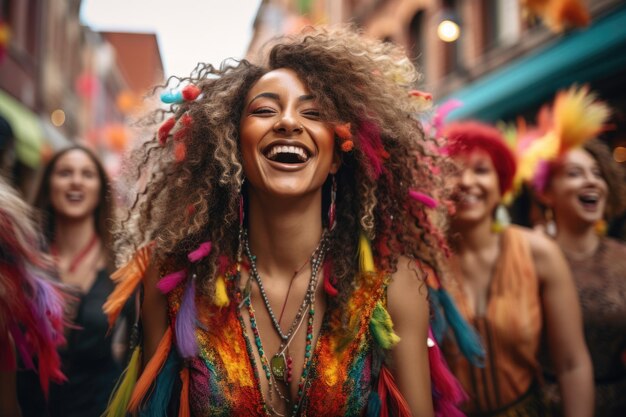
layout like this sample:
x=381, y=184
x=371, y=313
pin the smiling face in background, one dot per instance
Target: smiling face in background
x=287, y=149
x=74, y=186
x=478, y=190
x=577, y=191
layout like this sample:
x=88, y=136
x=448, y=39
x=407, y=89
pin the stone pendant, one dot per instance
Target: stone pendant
x=280, y=364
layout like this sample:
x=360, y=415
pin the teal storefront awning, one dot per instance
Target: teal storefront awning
x=578, y=57
x=26, y=128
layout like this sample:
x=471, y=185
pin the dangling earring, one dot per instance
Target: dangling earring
x=550, y=223
x=332, y=208
x=501, y=219
x=600, y=227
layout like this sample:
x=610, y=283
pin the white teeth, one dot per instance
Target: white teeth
x=75, y=196
x=469, y=198
x=295, y=150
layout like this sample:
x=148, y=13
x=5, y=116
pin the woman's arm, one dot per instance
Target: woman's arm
x=153, y=313
x=564, y=329
x=408, y=307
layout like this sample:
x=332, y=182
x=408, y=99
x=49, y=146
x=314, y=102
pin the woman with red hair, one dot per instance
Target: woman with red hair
x=513, y=285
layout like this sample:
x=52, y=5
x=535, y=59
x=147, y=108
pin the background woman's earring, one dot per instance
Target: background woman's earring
x=502, y=219
x=550, y=223
x=332, y=208
x=601, y=227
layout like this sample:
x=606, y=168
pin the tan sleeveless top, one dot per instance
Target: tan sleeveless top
x=510, y=330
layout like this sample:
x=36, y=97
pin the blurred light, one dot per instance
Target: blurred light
x=57, y=117
x=448, y=31
x=619, y=154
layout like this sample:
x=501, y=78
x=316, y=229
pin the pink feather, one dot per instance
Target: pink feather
x=541, y=176
x=328, y=285
x=171, y=281
x=439, y=119
x=426, y=200
x=447, y=390
x=202, y=252
x=372, y=147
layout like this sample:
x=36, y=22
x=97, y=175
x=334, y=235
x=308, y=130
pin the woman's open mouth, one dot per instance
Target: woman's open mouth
x=287, y=154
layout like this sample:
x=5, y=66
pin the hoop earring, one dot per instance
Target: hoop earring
x=550, y=223
x=501, y=219
x=332, y=213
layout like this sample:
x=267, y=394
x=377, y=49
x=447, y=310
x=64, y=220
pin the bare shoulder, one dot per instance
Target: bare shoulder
x=542, y=247
x=407, y=289
x=548, y=258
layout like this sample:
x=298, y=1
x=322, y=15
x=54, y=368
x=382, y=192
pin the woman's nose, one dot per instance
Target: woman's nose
x=287, y=125
x=466, y=178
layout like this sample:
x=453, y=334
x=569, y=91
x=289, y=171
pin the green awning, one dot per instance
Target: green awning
x=26, y=128
x=577, y=57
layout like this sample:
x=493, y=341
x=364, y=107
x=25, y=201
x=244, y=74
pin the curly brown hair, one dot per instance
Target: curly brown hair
x=355, y=80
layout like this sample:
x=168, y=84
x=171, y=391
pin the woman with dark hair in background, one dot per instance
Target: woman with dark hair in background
x=579, y=189
x=512, y=284
x=76, y=204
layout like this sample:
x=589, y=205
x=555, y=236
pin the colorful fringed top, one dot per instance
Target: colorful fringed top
x=346, y=377
x=510, y=330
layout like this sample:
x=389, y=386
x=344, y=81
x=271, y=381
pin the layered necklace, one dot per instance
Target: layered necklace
x=279, y=367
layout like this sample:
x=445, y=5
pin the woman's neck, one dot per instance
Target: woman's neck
x=473, y=237
x=283, y=235
x=72, y=236
x=578, y=242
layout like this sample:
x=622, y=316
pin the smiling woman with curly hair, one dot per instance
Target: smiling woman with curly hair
x=288, y=221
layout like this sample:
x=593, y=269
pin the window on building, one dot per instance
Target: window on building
x=501, y=23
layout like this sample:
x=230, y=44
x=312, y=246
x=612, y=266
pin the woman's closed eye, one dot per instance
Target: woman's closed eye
x=312, y=114
x=263, y=111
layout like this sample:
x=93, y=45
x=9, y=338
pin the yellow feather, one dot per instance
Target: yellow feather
x=578, y=117
x=365, y=255
x=221, y=296
x=119, y=402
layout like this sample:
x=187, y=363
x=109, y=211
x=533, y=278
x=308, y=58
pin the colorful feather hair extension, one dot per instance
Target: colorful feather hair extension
x=392, y=403
x=151, y=371
x=329, y=288
x=183, y=409
x=118, y=404
x=446, y=315
x=203, y=250
x=426, y=200
x=221, y=293
x=381, y=327
x=372, y=146
x=447, y=391
x=171, y=281
x=162, y=388
x=366, y=259
x=185, y=326
x=126, y=278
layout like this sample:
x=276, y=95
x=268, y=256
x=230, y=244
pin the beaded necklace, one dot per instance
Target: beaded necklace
x=281, y=362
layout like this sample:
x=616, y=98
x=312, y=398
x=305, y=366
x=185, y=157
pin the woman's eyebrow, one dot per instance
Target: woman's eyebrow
x=274, y=96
